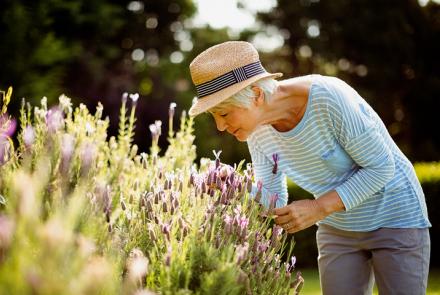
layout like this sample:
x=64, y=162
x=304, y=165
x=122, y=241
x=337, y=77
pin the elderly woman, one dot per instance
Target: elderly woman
x=319, y=132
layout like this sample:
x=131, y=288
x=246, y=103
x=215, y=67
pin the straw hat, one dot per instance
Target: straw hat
x=223, y=70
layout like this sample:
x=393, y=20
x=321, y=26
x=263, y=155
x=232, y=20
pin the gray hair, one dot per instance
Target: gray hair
x=244, y=97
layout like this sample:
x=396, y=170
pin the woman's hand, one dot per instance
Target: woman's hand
x=302, y=214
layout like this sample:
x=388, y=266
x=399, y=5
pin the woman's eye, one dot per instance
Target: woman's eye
x=223, y=115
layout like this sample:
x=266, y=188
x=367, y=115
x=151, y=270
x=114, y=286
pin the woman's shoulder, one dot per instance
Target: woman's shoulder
x=296, y=86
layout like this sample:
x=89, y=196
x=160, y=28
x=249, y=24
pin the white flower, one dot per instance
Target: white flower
x=172, y=108
x=89, y=128
x=134, y=97
x=65, y=103
x=124, y=97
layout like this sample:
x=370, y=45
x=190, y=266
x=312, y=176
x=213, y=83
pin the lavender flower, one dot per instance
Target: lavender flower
x=124, y=97
x=273, y=201
x=275, y=158
x=262, y=246
x=67, y=148
x=168, y=256
x=259, y=191
x=217, y=158
x=7, y=227
x=7, y=126
x=166, y=228
x=54, y=120
x=123, y=205
x=134, y=97
x=243, y=226
x=156, y=130
x=28, y=136
x=88, y=153
x=172, y=109
x=151, y=232
x=7, y=129
x=227, y=219
x=276, y=232
x=241, y=252
x=4, y=150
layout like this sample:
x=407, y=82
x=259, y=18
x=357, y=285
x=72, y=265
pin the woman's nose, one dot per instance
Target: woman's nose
x=221, y=123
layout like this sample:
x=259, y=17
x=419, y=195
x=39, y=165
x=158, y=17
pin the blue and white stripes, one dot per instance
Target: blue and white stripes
x=341, y=144
x=230, y=78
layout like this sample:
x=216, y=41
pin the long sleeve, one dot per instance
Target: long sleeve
x=359, y=134
x=272, y=183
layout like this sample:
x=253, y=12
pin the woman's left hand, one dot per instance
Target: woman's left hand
x=299, y=215
x=302, y=214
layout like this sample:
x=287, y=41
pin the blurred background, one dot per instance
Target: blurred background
x=94, y=50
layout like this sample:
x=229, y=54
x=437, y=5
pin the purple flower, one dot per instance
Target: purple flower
x=217, y=158
x=241, y=252
x=166, y=228
x=168, y=256
x=243, y=223
x=275, y=158
x=54, y=119
x=293, y=261
x=227, y=219
x=259, y=191
x=276, y=232
x=248, y=184
x=7, y=126
x=67, y=149
x=290, y=266
x=88, y=153
x=273, y=201
x=262, y=246
x=28, y=136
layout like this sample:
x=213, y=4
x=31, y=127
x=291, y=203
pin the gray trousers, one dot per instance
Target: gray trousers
x=397, y=259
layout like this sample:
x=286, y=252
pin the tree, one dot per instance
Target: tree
x=385, y=49
x=94, y=50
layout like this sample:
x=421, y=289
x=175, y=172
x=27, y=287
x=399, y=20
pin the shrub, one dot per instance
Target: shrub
x=83, y=214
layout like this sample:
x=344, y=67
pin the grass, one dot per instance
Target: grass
x=311, y=284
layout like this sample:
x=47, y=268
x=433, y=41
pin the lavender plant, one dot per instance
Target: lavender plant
x=83, y=214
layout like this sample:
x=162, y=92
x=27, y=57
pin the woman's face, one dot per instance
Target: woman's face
x=238, y=121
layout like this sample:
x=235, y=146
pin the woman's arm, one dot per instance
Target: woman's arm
x=302, y=214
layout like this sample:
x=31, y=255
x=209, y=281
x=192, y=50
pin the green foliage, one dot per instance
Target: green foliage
x=428, y=172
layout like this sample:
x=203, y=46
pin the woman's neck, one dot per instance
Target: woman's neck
x=287, y=106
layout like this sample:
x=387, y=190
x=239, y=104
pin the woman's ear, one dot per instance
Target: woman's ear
x=259, y=95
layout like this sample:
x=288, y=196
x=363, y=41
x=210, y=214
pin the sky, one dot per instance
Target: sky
x=225, y=13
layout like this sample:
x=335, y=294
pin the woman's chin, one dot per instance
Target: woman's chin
x=241, y=136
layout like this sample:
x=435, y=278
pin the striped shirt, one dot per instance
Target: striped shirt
x=341, y=144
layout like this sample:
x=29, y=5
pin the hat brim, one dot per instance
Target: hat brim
x=205, y=103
